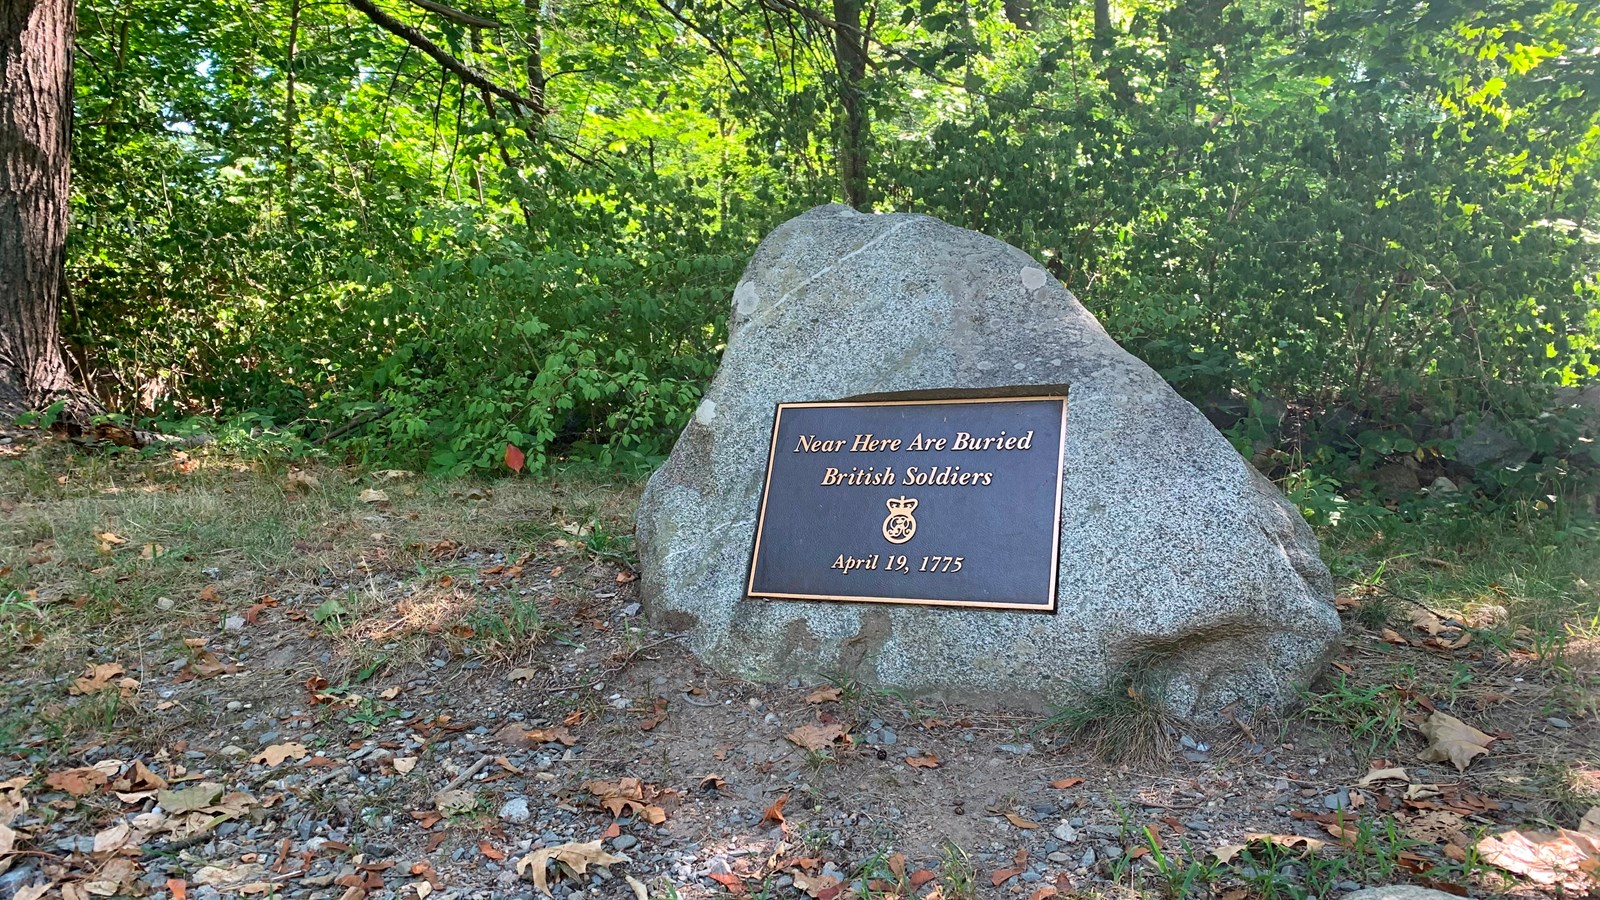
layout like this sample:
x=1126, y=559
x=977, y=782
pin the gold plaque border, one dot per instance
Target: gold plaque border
x=965, y=398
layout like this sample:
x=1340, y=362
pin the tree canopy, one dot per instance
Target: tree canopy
x=519, y=221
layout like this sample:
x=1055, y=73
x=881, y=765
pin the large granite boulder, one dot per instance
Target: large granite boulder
x=1176, y=555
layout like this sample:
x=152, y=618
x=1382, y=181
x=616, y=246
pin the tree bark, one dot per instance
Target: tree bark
x=291, y=115
x=1103, y=45
x=535, y=61
x=850, y=60
x=35, y=145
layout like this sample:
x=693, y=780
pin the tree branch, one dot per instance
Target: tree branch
x=449, y=63
x=450, y=12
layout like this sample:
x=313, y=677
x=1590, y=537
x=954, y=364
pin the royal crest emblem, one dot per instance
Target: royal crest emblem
x=900, y=525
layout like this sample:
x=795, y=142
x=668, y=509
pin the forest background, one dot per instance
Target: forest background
x=1359, y=235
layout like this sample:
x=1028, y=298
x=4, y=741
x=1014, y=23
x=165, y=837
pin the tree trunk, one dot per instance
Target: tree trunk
x=850, y=59
x=535, y=61
x=1103, y=45
x=290, y=114
x=35, y=131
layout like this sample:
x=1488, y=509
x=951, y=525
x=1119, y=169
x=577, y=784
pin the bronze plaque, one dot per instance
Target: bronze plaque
x=947, y=502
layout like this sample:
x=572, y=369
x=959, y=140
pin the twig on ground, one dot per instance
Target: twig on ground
x=1395, y=595
x=472, y=770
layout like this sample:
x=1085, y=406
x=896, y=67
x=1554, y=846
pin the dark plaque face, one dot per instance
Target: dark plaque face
x=952, y=502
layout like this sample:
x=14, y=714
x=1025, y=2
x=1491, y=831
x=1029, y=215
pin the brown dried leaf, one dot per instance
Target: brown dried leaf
x=819, y=736
x=1020, y=822
x=923, y=762
x=96, y=678
x=1061, y=784
x=277, y=753
x=577, y=856
x=1227, y=852
x=828, y=694
x=77, y=782
x=531, y=738
x=1544, y=857
x=821, y=887
x=1436, y=827
x=1454, y=740
x=618, y=797
x=1003, y=876
x=774, y=813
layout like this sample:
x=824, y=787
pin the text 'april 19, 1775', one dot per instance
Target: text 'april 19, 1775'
x=945, y=502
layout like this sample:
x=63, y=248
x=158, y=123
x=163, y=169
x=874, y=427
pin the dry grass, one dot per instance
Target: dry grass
x=99, y=553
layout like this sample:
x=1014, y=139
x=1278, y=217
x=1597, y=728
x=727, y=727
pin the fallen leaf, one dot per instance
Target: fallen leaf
x=1421, y=791
x=1436, y=827
x=1423, y=620
x=921, y=877
x=522, y=674
x=455, y=802
x=819, y=736
x=1227, y=852
x=1061, y=784
x=112, y=839
x=404, y=764
x=189, y=799
x=923, y=762
x=77, y=782
x=277, y=753
x=96, y=679
x=630, y=795
x=712, y=783
x=824, y=695
x=373, y=495
x=732, y=882
x=152, y=551
x=640, y=892
x=1454, y=740
x=577, y=856
x=1376, y=775
x=229, y=880
x=821, y=887
x=1003, y=876
x=774, y=813
x=210, y=594
x=1020, y=822
x=1545, y=857
x=515, y=458
x=531, y=738
x=178, y=888
x=658, y=714
x=491, y=851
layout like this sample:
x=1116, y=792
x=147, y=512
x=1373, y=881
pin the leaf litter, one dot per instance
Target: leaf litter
x=163, y=803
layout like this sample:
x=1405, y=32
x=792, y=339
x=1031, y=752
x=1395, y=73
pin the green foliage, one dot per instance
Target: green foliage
x=287, y=218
